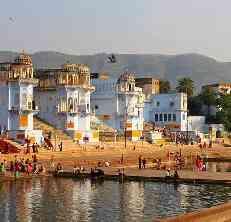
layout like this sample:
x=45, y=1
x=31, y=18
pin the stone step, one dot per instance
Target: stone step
x=46, y=127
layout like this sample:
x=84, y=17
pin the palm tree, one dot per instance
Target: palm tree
x=164, y=86
x=185, y=85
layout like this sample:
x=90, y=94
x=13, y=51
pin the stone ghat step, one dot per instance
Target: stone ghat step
x=46, y=127
x=159, y=176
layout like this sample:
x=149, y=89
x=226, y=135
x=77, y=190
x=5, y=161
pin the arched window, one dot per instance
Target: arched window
x=70, y=104
x=76, y=104
x=63, y=105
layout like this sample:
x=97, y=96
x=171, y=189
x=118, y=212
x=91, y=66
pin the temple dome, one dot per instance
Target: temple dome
x=23, y=59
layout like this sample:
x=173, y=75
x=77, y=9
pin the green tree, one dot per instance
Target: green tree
x=164, y=86
x=224, y=110
x=209, y=98
x=195, y=105
x=185, y=85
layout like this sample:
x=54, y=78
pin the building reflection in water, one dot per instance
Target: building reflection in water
x=55, y=199
x=132, y=200
x=4, y=201
x=81, y=200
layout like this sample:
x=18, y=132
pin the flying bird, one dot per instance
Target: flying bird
x=111, y=58
x=11, y=19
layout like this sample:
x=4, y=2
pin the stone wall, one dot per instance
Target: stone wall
x=220, y=213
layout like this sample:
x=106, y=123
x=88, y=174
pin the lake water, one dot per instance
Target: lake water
x=56, y=199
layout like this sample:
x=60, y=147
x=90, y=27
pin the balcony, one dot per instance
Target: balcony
x=83, y=109
x=131, y=93
x=33, y=81
x=68, y=111
x=29, y=109
x=139, y=105
x=23, y=109
x=130, y=114
x=14, y=109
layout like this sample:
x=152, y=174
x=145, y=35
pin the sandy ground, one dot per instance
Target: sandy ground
x=113, y=152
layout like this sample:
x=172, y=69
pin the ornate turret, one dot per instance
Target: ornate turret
x=126, y=82
x=22, y=70
x=23, y=59
x=74, y=75
x=126, y=77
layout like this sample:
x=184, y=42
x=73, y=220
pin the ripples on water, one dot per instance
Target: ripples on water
x=49, y=199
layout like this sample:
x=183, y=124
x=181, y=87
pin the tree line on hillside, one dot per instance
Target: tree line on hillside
x=204, y=102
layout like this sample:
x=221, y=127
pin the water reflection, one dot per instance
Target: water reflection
x=50, y=199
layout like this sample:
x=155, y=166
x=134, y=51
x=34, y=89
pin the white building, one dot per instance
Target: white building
x=167, y=110
x=120, y=104
x=196, y=123
x=64, y=100
x=17, y=105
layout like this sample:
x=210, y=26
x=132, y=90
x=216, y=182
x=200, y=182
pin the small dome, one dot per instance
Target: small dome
x=126, y=77
x=23, y=59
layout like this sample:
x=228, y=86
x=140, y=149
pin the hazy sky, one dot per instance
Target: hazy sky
x=119, y=26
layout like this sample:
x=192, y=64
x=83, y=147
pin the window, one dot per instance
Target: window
x=165, y=117
x=16, y=99
x=29, y=105
x=76, y=104
x=96, y=107
x=169, y=117
x=157, y=103
x=171, y=104
x=161, y=117
x=88, y=107
x=156, y=118
x=174, y=117
x=33, y=105
x=70, y=104
x=130, y=87
x=183, y=116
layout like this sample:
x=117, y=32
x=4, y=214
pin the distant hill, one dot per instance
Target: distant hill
x=201, y=69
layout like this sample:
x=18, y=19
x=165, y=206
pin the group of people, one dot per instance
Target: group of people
x=78, y=169
x=179, y=160
x=142, y=162
x=34, y=148
x=48, y=144
x=169, y=174
x=204, y=145
x=104, y=164
x=182, y=139
x=22, y=166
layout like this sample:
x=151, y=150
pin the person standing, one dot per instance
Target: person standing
x=33, y=148
x=61, y=146
x=122, y=159
x=140, y=161
x=144, y=163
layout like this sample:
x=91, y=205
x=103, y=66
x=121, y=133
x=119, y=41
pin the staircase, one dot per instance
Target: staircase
x=9, y=146
x=46, y=127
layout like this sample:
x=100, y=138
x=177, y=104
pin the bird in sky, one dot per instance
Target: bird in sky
x=11, y=19
x=111, y=58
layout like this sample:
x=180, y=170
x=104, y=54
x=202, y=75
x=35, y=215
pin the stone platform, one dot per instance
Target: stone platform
x=159, y=176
